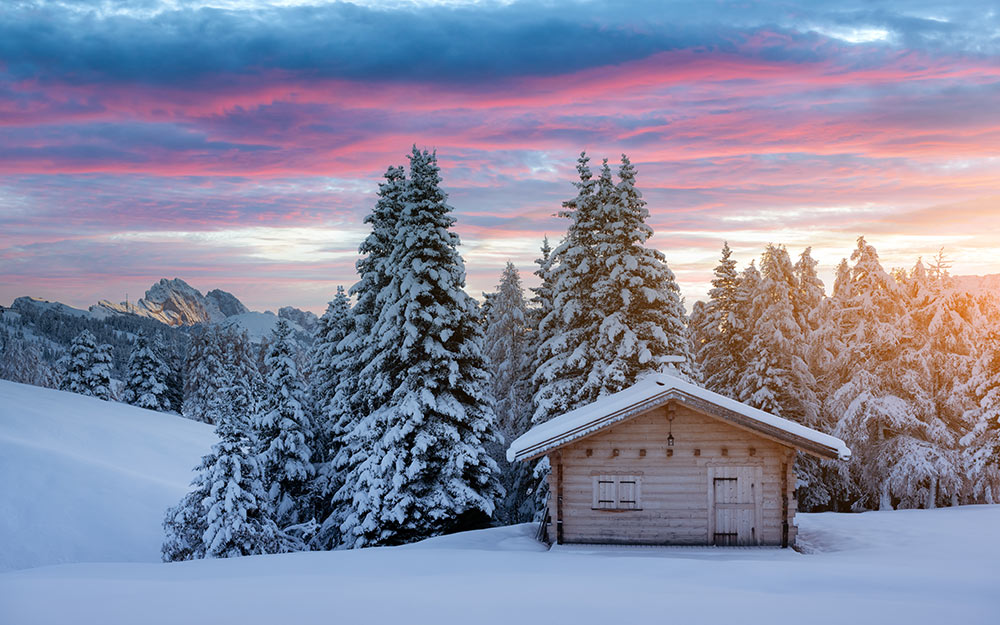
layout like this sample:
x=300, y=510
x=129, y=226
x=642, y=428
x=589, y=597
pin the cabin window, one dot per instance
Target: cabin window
x=617, y=492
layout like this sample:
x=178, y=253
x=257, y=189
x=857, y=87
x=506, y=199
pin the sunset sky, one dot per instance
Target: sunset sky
x=238, y=146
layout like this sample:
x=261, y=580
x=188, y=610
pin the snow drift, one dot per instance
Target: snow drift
x=85, y=480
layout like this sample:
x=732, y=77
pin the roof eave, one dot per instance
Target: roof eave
x=764, y=429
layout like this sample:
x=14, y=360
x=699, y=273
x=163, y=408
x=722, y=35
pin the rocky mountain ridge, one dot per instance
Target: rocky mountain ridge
x=176, y=303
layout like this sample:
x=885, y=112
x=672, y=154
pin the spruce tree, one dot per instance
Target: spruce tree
x=507, y=355
x=227, y=513
x=87, y=369
x=329, y=369
x=184, y=524
x=543, y=328
x=719, y=352
x=563, y=360
x=807, y=301
x=426, y=471
x=542, y=304
x=21, y=360
x=146, y=377
x=241, y=387
x=284, y=432
x=874, y=419
x=355, y=397
x=744, y=321
x=828, y=346
x=643, y=322
x=204, y=374
x=936, y=359
x=981, y=446
x=617, y=311
x=807, y=297
x=777, y=379
x=238, y=514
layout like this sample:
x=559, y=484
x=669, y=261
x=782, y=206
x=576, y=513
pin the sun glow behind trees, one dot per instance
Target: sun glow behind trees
x=885, y=363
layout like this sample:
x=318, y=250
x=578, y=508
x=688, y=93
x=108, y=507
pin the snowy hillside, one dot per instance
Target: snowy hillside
x=878, y=567
x=84, y=480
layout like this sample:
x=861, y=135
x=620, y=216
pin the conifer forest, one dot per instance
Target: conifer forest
x=389, y=422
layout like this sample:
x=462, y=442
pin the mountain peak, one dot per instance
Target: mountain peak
x=175, y=302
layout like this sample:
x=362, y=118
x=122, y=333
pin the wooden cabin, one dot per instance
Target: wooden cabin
x=665, y=462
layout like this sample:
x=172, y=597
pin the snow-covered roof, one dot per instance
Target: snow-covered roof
x=656, y=390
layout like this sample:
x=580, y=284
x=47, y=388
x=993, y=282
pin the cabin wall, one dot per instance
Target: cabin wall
x=675, y=489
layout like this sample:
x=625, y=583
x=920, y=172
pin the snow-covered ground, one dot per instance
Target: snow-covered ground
x=937, y=566
x=85, y=480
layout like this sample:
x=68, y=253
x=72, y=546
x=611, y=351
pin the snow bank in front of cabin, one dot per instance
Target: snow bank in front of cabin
x=911, y=567
x=85, y=480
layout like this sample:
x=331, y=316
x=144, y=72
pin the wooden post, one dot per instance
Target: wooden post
x=559, y=498
x=784, y=505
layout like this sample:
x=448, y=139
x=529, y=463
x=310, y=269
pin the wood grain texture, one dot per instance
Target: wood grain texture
x=678, y=500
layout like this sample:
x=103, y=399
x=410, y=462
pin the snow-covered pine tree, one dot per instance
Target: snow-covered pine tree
x=21, y=360
x=617, y=311
x=777, y=379
x=330, y=366
x=828, y=346
x=284, y=432
x=355, y=397
x=238, y=514
x=204, y=373
x=981, y=446
x=829, y=483
x=542, y=303
x=720, y=352
x=507, y=355
x=427, y=472
x=643, y=318
x=807, y=299
x=184, y=524
x=808, y=303
x=328, y=370
x=173, y=357
x=87, y=368
x=744, y=320
x=241, y=387
x=146, y=377
x=937, y=359
x=543, y=328
x=875, y=419
x=227, y=513
x=562, y=361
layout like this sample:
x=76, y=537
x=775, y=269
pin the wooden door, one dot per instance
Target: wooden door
x=734, y=505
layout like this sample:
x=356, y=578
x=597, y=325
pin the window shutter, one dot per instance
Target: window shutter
x=604, y=492
x=617, y=492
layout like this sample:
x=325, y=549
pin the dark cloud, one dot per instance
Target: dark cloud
x=143, y=43
x=332, y=41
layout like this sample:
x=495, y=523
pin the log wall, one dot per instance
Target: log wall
x=675, y=483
